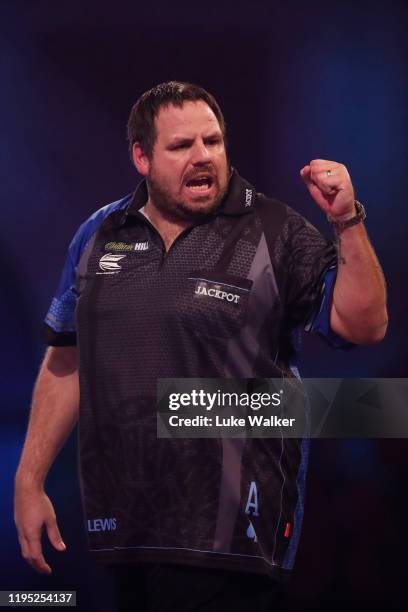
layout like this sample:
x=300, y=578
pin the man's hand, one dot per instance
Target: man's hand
x=330, y=186
x=53, y=415
x=33, y=510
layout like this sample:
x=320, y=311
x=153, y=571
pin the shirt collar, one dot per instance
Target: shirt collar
x=239, y=200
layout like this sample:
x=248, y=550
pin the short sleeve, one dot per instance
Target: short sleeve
x=59, y=325
x=308, y=256
x=320, y=321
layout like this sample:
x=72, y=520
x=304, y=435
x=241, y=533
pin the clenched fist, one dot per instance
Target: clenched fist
x=330, y=186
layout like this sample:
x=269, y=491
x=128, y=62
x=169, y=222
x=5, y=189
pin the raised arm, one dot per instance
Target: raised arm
x=54, y=413
x=358, y=312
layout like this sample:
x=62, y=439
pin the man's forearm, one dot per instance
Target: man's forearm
x=54, y=413
x=359, y=311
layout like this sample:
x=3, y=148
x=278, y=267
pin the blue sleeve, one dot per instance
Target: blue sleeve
x=321, y=322
x=60, y=318
x=60, y=328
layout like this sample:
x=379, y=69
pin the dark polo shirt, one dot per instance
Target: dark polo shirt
x=224, y=301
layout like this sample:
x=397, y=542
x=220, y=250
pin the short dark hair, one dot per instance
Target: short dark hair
x=141, y=128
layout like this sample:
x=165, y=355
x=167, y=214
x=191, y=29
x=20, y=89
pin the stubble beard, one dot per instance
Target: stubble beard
x=180, y=209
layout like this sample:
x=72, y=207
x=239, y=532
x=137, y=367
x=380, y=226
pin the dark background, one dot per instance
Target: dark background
x=296, y=81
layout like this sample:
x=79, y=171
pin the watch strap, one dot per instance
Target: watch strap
x=359, y=217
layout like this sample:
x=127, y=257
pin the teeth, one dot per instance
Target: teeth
x=199, y=187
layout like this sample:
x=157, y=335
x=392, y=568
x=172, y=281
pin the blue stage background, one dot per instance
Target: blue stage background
x=296, y=81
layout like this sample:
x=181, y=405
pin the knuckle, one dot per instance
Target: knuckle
x=32, y=538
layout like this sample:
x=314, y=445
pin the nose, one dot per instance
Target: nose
x=200, y=153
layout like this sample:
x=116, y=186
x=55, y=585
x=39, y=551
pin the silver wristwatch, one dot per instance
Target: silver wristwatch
x=358, y=218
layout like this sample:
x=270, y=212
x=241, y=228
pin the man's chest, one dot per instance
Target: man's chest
x=202, y=283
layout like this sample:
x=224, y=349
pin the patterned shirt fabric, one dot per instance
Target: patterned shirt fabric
x=137, y=314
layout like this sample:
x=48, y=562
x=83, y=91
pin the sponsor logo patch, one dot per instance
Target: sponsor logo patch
x=141, y=246
x=218, y=291
x=109, y=263
x=126, y=246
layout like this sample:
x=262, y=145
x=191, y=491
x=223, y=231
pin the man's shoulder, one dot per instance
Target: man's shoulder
x=92, y=223
x=278, y=218
x=285, y=228
x=99, y=215
x=90, y=226
x=273, y=209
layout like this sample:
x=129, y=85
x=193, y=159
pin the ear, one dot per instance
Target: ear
x=140, y=159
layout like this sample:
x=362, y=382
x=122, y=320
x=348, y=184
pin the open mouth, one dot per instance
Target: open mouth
x=200, y=184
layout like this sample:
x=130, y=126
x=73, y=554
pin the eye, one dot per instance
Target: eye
x=182, y=145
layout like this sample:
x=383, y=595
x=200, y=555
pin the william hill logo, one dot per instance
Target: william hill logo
x=126, y=246
x=102, y=524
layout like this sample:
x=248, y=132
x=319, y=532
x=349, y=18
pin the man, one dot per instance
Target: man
x=189, y=524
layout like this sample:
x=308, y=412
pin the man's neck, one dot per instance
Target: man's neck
x=169, y=229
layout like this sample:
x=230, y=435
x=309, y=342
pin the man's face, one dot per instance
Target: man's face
x=188, y=173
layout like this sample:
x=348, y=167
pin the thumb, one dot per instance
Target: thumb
x=54, y=535
x=305, y=173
